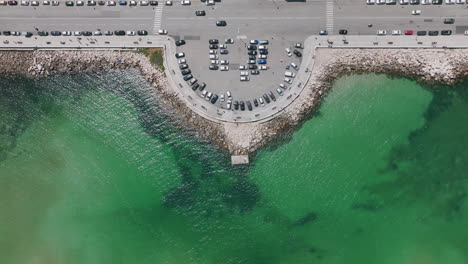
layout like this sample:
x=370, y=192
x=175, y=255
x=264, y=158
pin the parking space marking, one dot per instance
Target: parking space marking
x=329, y=17
x=157, y=18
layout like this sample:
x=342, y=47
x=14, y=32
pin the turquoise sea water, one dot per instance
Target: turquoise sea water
x=93, y=171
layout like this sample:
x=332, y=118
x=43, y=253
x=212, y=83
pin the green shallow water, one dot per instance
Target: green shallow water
x=93, y=171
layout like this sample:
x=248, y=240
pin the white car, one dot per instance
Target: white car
x=404, y=2
x=111, y=3
x=67, y=33
x=214, y=57
x=213, y=51
x=262, y=47
x=466, y=32
x=223, y=46
x=460, y=2
x=224, y=62
x=185, y=2
x=131, y=33
x=263, y=67
x=97, y=33
x=278, y=90
x=143, y=3
x=55, y=3
x=24, y=3
x=221, y=97
x=244, y=78
x=416, y=12
x=425, y=2
x=208, y=96
x=288, y=80
x=77, y=33
x=244, y=73
x=133, y=3
x=210, y=2
x=79, y=3
x=203, y=94
x=228, y=93
x=262, y=103
x=168, y=3
x=281, y=85
x=214, y=62
x=182, y=61
x=224, y=68
x=242, y=67
x=262, y=56
x=162, y=32
x=34, y=3
x=381, y=32
x=396, y=32
x=228, y=105
x=380, y=2
x=294, y=65
x=288, y=51
x=46, y=2
x=449, y=2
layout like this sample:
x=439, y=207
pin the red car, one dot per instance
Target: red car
x=409, y=32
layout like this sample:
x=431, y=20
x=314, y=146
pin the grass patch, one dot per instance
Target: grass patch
x=155, y=56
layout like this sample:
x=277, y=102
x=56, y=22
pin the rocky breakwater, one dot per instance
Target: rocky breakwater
x=442, y=66
x=43, y=63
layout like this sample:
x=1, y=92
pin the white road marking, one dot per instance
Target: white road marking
x=158, y=11
x=329, y=16
x=244, y=18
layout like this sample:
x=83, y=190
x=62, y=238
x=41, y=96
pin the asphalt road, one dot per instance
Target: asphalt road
x=281, y=23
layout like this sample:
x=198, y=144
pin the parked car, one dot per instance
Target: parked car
x=343, y=32
x=168, y=3
x=267, y=99
x=416, y=12
x=323, y=32
x=252, y=67
x=278, y=90
x=242, y=67
x=195, y=86
x=294, y=65
x=213, y=41
x=153, y=3
x=119, y=33
x=69, y=3
x=249, y=105
x=229, y=41
x=224, y=62
x=381, y=32
x=255, y=101
x=162, y=32
x=242, y=106
x=297, y=53
x=396, y=32
x=272, y=96
x=214, y=67
x=433, y=33
x=186, y=71
x=255, y=72
x=43, y=33
x=446, y=32
x=180, y=42
x=213, y=46
x=111, y=3
x=263, y=67
x=449, y=20
x=244, y=78
x=260, y=100
x=265, y=52
x=287, y=80
x=409, y=32
x=262, y=61
x=224, y=68
x=236, y=105
x=421, y=33
x=251, y=47
x=183, y=66
x=224, y=52
x=108, y=33
x=188, y=77
x=142, y=32
x=214, y=99
x=288, y=52
x=180, y=55
x=185, y=2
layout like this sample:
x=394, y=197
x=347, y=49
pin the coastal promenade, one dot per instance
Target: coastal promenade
x=214, y=112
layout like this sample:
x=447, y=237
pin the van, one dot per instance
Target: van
x=289, y=74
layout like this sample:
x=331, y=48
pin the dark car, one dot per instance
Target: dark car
x=87, y=33
x=7, y=33
x=12, y=2
x=449, y=21
x=255, y=102
x=43, y=33
x=195, y=86
x=142, y=32
x=214, y=67
x=252, y=57
x=436, y=2
x=224, y=52
x=180, y=42
x=202, y=86
x=119, y=33
x=101, y=3
x=264, y=52
x=200, y=13
x=213, y=46
x=297, y=53
x=188, y=77
x=29, y=34
x=213, y=41
x=253, y=67
x=56, y=33
x=214, y=99
x=446, y=32
x=249, y=105
x=183, y=66
x=69, y=3
x=255, y=72
x=267, y=99
x=122, y=2
x=91, y=3
x=414, y=2
x=421, y=33
x=186, y=72
x=236, y=105
x=252, y=47
x=272, y=96
x=343, y=32
x=153, y=3
x=242, y=106
x=252, y=52
x=433, y=33
x=221, y=23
